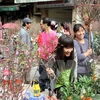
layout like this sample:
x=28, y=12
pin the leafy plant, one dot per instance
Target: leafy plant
x=84, y=89
x=97, y=44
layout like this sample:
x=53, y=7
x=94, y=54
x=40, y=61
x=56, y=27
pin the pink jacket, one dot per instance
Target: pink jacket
x=47, y=43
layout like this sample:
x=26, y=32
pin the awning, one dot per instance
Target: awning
x=28, y=1
x=70, y=5
x=9, y=8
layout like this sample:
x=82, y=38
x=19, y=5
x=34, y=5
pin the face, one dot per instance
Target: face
x=28, y=25
x=42, y=25
x=80, y=34
x=67, y=51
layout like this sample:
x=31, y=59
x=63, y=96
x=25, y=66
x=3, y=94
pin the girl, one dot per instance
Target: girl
x=65, y=61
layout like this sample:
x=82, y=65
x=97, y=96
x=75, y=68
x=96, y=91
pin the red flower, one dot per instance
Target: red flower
x=91, y=19
x=39, y=40
x=19, y=81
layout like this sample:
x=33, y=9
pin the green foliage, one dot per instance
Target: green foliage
x=84, y=87
x=64, y=77
x=97, y=44
x=96, y=86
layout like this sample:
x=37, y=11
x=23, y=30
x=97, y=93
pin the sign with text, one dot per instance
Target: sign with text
x=9, y=8
x=27, y=1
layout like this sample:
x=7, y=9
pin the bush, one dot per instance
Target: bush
x=97, y=44
x=84, y=89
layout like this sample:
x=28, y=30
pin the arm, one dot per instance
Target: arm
x=23, y=38
x=76, y=65
x=73, y=73
x=51, y=62
x=80, y=55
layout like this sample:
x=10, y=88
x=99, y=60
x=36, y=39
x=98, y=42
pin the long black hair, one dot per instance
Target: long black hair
x=64, y=41
x=76, y=28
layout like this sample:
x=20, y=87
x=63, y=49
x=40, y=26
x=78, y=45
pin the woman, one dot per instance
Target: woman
x=65, y=60
x=65, y=28
x=83, y=52
x=54, y=25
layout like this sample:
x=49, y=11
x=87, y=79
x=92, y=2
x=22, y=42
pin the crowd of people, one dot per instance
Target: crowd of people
x=59, y=51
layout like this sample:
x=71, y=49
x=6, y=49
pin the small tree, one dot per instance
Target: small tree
x=13, y=65
x=88, y=10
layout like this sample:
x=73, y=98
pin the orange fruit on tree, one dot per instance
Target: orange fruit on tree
x=94, y=77
x=89, y=98
x=85, y=98
x=82, y=97
x=70, y=98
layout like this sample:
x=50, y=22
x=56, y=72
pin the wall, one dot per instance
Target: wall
x=60, y=14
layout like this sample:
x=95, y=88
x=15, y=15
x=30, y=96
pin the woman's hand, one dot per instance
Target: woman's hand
x=50, y=72
x=88, y=53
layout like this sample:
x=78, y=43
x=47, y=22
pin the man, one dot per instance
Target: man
x=24, y=35
x=25, y=39
x=86, y=26
x=46, y=49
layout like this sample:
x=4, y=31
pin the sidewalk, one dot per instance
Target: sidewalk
x=45, y=93
x=34, y=74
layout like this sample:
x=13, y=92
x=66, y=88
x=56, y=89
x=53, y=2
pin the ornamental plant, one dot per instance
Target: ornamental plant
x=97, y=44
x=84, y=89
x=14, y=62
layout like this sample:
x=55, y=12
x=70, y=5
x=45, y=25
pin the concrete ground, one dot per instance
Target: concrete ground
x=34, y=74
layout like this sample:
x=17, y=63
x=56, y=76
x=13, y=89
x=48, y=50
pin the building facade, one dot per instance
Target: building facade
x=60, y=10
x=9, y=11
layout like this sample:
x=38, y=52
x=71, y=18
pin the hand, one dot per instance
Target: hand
x=88, y=53
x=50, y=71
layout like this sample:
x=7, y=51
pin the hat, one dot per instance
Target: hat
x=54, y=23
x=27, y=20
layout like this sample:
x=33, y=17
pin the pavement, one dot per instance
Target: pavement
x=34, y=74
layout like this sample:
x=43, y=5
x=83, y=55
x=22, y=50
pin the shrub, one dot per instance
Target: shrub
x=83, y=89
x=97, y=44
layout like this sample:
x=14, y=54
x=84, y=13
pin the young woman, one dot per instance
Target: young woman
x=65, y=60
x=83, y=52
x=54, y=25
x=65, y=28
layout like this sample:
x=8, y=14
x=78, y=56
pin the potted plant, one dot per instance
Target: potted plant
x=86, y=88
